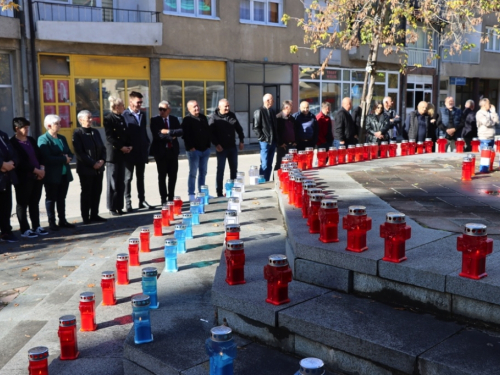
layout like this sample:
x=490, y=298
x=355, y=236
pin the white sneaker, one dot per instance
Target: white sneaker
x=191, y=197
x=41, y=232
x=29, y=234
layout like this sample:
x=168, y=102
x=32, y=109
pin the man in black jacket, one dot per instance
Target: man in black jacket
x=264, y=126
x=469, y=130
x=196, y=135
x=8, y=177
x=223, y=125
x=307, y=136
x=345, y=132
x=137, y=159
x=165, y=149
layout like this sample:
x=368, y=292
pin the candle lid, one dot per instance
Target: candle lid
x=321, y=149
x=332, y=148
x=236, y=189
x=254, y=167
x=309, y=149
x=314, y=190
x=67, y=321
x=366, y=144
x=170, y=203
x=239, y=181
x=292, y=151
x=393, y=143
x=221, y=333
x=171, y=242
x=229, y=181
x=316, y=197
x=38, y=353
x=404, y=141
x=359, y=145
x=294, y=164
x=108, y=275
x=308, y=185
x=299, y=179
x=329, y=203
x=164, y=207
x=341, y=147
x=302, y=152
x=374, y=144
x=351, y=146
x=233, y=228
x=145, y=230
x=180, y=226
x=134, y=240
x=234, y=200
x=187, y=216
x=278, y=260
x=122, y=257
x=428, y=139
x=292, y=177
x=141, y=300
x=204, y=187
x=200, y=195
x=194, y=203
x=235, y=245
x=420, y=143
x=475, y=139
x=87, y=297
x=177, y=198
x=412, y=140
x=476, y=230
x=441, y=137
x=357, y=211
x=231, y=213
x=308, y=180
x=472, y=156
x=384, y=143
x=312, y=366
x=240, y=174
x=157, y=216
x=395, y=218
x=149, y=272
x=467, y=159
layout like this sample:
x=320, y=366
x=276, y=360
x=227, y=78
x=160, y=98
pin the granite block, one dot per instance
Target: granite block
x=323, y=275
x=469, y=352
x=477, y=310
x=370, y=330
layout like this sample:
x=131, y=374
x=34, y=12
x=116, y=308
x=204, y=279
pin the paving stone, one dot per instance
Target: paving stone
x=367, y=329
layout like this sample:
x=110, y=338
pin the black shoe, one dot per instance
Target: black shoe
x=98, y=219
x=53, y=226
x=65, y=224
x=145, y=204
x=86, y=221
x=115, y=212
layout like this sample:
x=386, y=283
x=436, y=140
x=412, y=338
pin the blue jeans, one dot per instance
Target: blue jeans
x=198, y=161
x=485, y=143
x=266, y=159
x=336, y=144
x=231, y=154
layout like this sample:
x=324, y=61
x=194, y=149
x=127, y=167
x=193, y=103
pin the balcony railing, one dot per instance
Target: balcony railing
x=465, y=57
x=6, y=13
x=421, y=57
x=78, y=13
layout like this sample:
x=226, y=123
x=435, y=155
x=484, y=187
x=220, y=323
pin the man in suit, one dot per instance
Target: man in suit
x=345, y=132
x=137, y=159
x=165, y=149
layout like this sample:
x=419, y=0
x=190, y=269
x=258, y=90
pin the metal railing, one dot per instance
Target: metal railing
x=79, y=13
x=465, y=57
x=6, y=13
x=421, y=57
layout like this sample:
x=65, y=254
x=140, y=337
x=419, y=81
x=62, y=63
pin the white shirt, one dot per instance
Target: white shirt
x=136, y=115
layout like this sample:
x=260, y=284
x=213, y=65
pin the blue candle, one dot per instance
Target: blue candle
x=311, y=366
x=180, y=235
x=170, y=255
x=142, y=321
x=229, y=185
x=195, y=211
x=262, y=179
x=200, y=197
x=204, y=189
x=149, y=285
x=187, y=219
x=222, y=351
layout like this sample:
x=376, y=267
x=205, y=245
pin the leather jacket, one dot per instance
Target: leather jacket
x=264, y=125
x=373, y=125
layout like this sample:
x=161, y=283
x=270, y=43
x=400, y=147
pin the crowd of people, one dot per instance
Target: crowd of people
x=31, y=165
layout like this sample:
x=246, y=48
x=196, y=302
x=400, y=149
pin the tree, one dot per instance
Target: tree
x=390, y=25
x=8, y=4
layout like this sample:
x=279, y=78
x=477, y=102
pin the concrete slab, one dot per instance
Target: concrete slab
x=323, y=275
x=367, y=329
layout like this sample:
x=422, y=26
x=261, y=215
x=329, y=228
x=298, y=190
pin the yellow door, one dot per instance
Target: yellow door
x=57, y=98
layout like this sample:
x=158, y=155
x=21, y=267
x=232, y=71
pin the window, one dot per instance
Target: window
x=6, y=94
x=493, y=41
x=191, y=8
x=267, y=12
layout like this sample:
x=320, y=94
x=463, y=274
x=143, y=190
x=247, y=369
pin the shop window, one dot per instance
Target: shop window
x=193, y=8
x=142, y=86
x=54, y=65
x=241, y=95
x=267, y=12
x=285, y=93
x=248, y=73
x=112, y=87
x=393, y=81
x=256, y=94
x=172, y=92
x=278, y=73
x=310, y=92
x=331, y=93
x=87, y=97
x=215, y=92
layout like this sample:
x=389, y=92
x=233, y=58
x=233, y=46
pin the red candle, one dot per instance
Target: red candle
x=302, y=160
x=38, y=361
x=68, y=338
x=177, y=205
x=321, y=155
x=328, y=221
x=171, y=210
x=312, y=213
x=122, y=269
x=310, y=156
x=357, y=224
x=404, y=148
x=332, y=156
x=396, y=233
x=232, y=232
x=467, y=169
x=472, y=157
x=367, y=151
x=293, y=153
x=108, y=288
x=475, y=144
x=358, y=156
x=411, y=147
x=442, y=143
x=306, y=193
x=393, y=149
x=87, y=311
x=157, y=225
x=460, y=143
x=291, y=188
x=286, y=180
x=474, y=245
x=428, y=145
x=374, y=150
x=278, y=275
x=165, y=217
x=297, y=196
x=144, y=236
x=342, y=152
x=235, y=262
x=351, y=153
x=420, y=147
x=384, y=147
x=133, y=251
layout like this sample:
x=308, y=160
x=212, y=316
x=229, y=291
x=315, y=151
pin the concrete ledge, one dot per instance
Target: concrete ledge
x=323, y=275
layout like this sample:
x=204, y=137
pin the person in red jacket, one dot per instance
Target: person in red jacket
x=325, y=135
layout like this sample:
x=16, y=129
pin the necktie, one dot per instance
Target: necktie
x=165, y=120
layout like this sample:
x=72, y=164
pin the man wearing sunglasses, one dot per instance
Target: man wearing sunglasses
x=135, y=121
x=166, y=129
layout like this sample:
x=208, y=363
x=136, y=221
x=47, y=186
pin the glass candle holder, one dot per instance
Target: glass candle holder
x=253, y=175
x=374, y=150
x=68, y=338
x=108, y=288
x=341, y=155
x=428, y=145
x=262, y=179
x=395, y=233
x=278, y=275
x=384, y=149
x=367, y=151
x=150, y=286
x=240, y=182
x=187, y=220
x=332, y=155
x=235, y=262
x=221, y=349
x=306, y=200
x=467, y=169
x=420, y=148
x=170, y=251
x=141, y=318
x=200, y=197
x=474, y=245
x=393, y=149
x=442, y=143
x=328, y=215
x=311, y=366
x=234, y=204
x=165, y=216
x=237, y=193
x=351, y=153
x=232, y=232
x=472, y=157
x=157, y=227
x=358, y=156
x=171, y=210
x=180, y=235
x=231, y=217
x=241, y=175
x=475, y=144
x=310, y=157
x=122, y=269
x=177, y=205
x=357, y=224
x=228, y=186
x=312, y=214
x=204, y=190
x=412, y=147
x=144, y=237
x=133, y=252
x=404, y=147
x=87, y=311
x=195, y=211
x=38, y=361
x=321, y=155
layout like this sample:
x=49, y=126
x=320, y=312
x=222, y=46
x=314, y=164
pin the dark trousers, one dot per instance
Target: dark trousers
x=231, y=155
x=167, y=165
x=129, y=175
x=6, y=209
x=55, y=195
x=280, y=152
x=115, y=176
x=28, y=196
x=90, y=197
x=468, y=146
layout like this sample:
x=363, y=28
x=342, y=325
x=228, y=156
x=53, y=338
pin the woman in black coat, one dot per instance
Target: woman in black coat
x=377, y=125
x=90, y=158
x=30, y=173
